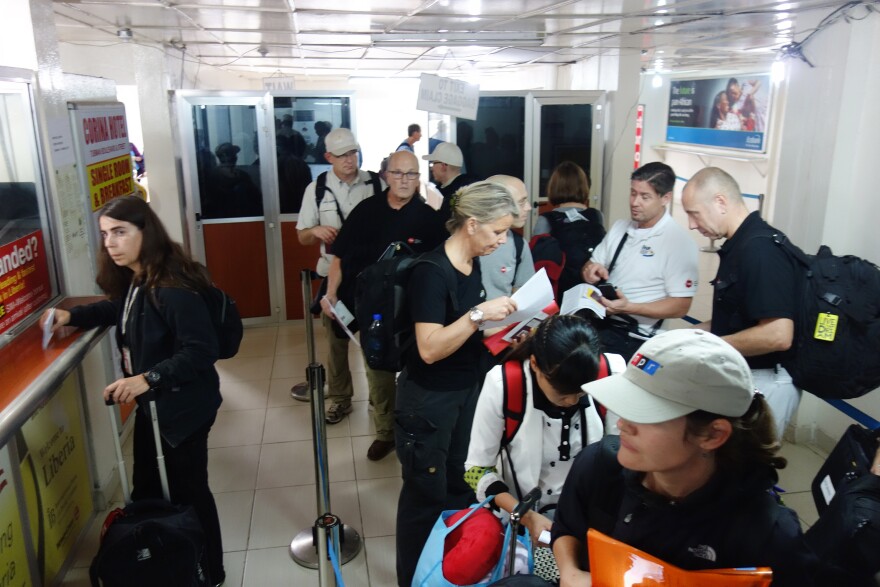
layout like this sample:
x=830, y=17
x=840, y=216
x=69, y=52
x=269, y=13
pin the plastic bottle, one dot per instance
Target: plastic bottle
x=373, y=350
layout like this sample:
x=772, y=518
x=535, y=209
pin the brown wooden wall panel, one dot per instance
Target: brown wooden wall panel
x=296, y=258
x=236, y=257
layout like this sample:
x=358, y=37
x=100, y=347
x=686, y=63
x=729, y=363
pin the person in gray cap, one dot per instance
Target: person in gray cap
x=446, y=161
x=326, y=203
x=690, y=478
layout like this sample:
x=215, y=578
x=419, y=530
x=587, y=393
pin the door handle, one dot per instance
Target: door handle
x=198, y=217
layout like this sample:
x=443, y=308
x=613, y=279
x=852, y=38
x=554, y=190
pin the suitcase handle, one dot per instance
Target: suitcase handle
x=150, y=396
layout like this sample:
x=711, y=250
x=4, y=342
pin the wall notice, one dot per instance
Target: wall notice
x=14, y=570
x=448, y=96
x=102, y=135
x=24, y=278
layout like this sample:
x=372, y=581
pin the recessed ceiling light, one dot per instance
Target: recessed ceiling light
x=785, y=24
x=660, y=51
x=658, y=22
x=663, y=11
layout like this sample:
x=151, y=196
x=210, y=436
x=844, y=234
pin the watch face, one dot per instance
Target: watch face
x=152, y=377
x=476, y=315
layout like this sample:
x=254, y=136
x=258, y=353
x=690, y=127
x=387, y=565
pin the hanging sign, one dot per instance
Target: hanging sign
x=448, y=96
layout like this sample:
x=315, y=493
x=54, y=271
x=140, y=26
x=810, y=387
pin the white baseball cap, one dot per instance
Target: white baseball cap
x=340, y=141
x=676, y=373
x=448, y=153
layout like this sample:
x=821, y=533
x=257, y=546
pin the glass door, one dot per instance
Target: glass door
x=566, y=126
x=231, y=203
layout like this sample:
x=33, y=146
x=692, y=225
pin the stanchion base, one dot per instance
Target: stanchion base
x=300, y=392
x=304, y=553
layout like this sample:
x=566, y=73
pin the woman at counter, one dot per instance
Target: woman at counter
x=168, y=344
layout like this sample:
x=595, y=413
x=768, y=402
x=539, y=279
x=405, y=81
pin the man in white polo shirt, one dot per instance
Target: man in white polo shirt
x=650, y=260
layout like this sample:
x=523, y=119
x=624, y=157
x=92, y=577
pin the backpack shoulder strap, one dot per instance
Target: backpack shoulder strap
x=617, y=252
x=604, y=371
x=518, y=244
x=320, y=188
x=377, y=183
x=514, y=386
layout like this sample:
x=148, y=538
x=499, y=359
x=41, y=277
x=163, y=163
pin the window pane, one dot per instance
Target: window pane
x=228, y=161
x=566, y=132
x=493, y=143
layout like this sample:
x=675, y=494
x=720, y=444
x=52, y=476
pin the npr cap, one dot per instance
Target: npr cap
x=676, y=373
x=340, y=141
x=448, y=153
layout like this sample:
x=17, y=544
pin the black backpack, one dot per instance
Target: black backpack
x=847, y=535
x=381, y=288
x=837, y=323
x=226, y=320
x=571, y=242
x=151, y=542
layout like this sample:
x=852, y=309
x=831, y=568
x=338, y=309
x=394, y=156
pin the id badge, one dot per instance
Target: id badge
x=126, y=361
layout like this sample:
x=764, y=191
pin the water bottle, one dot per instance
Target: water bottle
x=373, y=350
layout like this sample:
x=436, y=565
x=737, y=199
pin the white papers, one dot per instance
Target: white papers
x=47, y=327
x=344, y=317
x=582, y=296
x=535, y=295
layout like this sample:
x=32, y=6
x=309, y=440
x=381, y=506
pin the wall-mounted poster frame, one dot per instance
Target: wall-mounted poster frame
x=730, y=112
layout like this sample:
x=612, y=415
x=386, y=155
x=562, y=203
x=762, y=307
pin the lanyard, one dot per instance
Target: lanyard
x=129, y=302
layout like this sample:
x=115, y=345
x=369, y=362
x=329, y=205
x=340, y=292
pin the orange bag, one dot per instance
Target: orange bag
x=615, y=564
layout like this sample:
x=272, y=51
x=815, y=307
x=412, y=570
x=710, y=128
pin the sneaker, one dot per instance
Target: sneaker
x=380, y=449
x=336, y=413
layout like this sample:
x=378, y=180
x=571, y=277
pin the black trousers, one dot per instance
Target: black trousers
x=187, y=466
x=432, y=432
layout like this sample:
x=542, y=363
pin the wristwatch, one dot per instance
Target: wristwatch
x=153, y=378
x=476, y=316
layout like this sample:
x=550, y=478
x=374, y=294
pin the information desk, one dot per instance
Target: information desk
x=45, y=481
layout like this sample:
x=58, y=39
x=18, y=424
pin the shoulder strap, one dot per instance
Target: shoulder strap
x=377, y=183
x=604, y=371
x=320, y=188
x=617, y=252
x=518, y=243
x=514, y=385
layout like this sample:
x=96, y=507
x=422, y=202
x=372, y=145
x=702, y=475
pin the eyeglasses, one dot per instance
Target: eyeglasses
x=397, y=174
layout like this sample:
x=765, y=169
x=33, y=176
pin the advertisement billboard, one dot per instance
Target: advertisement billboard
x=723, y=112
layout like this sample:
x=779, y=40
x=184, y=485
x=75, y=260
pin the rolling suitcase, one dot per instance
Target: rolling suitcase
x=150, y=542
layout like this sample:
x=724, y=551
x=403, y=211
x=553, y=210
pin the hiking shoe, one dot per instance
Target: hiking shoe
x=336, y=413
x=380, y=449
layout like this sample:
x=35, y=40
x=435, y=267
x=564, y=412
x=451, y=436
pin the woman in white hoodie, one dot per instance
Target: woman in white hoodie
x=557, y=419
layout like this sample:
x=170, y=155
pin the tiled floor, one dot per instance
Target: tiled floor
x=262, y=470
x=263, y=478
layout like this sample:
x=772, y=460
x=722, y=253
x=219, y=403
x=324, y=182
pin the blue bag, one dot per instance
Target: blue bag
x=429, y=571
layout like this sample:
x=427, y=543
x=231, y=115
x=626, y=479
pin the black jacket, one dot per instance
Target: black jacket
x=175, y=338
x=732, y=521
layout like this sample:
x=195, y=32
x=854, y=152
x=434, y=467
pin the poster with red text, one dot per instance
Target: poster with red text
x=24, y=278
x=103, y=141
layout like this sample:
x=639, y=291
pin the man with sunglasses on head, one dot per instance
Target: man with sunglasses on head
x=326, y=204
x=399, y=215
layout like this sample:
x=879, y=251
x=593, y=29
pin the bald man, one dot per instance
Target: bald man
x=509, y=266
x=398, y=215
x=754, y=303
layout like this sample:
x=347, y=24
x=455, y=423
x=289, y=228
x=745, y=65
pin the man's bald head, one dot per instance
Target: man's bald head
x=710, y=181
x=713, y=203
x=520, y=194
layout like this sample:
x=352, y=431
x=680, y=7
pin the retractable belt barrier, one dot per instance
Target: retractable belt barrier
x=329, y=543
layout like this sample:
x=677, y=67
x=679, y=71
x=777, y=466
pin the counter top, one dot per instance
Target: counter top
x=28, y=373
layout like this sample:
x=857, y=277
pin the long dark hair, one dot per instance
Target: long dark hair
x=752, y=441
x=566, y=349
x=163, y=262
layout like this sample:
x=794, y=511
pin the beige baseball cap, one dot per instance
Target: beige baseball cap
x=676, y=373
